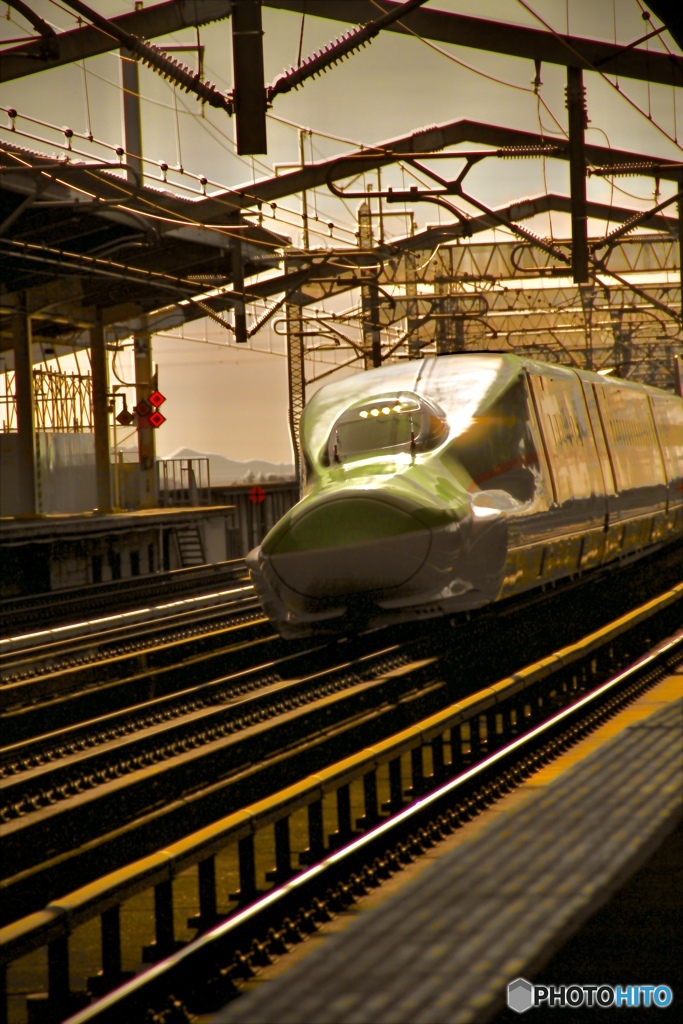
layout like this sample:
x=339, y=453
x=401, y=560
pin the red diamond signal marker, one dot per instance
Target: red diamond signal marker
x=156, y=419
x=143, y=408
x=125, y=418
x=156, y=399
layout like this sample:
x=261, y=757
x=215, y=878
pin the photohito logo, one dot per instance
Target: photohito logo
x=523, y=995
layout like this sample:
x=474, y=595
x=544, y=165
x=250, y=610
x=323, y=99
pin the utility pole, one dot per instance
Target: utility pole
x=296, y=372
x=100, y=408
x=132, y=118
x=372, y=340
x=304, y=199
x=144, y=385
x=28, y=498
x=576, y=108
x=240, y=312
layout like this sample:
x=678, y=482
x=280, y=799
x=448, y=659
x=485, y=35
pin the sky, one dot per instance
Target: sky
x=232, y=401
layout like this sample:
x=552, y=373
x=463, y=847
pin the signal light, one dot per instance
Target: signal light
x=147, y=411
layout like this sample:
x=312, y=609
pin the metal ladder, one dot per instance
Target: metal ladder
x=190, y=545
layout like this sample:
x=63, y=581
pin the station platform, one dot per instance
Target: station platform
x=18, y=529
x=65, y=550
x=499, y=899
x=57, y=551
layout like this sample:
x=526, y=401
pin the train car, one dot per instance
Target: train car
x=439, y=485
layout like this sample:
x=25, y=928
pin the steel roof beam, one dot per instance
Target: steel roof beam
x=88, y=41
x=501, y=37
x=435, y=138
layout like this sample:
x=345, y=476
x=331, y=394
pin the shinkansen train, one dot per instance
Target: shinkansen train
x=439, y=485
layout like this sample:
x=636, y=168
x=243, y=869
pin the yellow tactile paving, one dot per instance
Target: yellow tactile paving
x=663, y=693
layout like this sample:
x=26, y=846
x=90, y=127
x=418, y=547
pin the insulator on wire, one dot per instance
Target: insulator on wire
x=179, y=73
x=509, y=152
x=645, y=166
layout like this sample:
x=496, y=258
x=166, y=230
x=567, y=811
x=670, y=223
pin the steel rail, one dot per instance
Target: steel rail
x=60, y=700
x=241, y=751
x=18, y=613
x=47, y=697
x=144, y=627
x=516, y=699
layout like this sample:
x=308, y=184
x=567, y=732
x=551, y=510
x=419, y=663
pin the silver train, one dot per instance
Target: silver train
x=437, y=486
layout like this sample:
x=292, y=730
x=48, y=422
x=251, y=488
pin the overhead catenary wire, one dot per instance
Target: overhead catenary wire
x=584, y=60
x=353, y=40
x=292, y=220
x=476, y=71
x=322, y=134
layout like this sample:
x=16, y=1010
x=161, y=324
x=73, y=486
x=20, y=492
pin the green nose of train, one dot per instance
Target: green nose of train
x=388, y=528
x=348, y=544
x=372, y=555
x=439, y=485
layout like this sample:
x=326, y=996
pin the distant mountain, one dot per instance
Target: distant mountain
x=230, y=471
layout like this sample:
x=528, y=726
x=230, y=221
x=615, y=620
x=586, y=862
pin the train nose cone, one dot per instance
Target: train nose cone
x=350, y=545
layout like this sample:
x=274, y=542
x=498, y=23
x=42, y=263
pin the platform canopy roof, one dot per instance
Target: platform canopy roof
x=81, y=241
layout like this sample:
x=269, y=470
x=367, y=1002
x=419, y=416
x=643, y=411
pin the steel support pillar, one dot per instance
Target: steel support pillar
x=680, y=235
x=100, y=409
x=412, y=306
x=28, y=496
x=237, y=268
x=208, y=909
x=305, y=237
x=110, y=923
x=297, y=381
x=249, y=92
x=576, y=109
x=132, y=123
x=144, y=385
x=369, y=292
x=450, y=325
x=587, y=292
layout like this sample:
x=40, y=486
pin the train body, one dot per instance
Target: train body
x=439, y=485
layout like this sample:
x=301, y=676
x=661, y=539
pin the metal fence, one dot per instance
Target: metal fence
x=183, y=482
x=62, y=402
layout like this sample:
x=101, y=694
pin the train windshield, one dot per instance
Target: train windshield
x=389, y=424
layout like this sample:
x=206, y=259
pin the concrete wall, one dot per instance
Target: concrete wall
x=65, y=472
x=65, y=475
x=215, y=540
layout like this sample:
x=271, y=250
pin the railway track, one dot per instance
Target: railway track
x=72, y=731
x=31, y=613
x=456, y=759
x=80, y=644
x=97, y=794
x=54, y=687
x=211, y=970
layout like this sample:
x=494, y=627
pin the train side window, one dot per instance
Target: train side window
x=498, y=450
